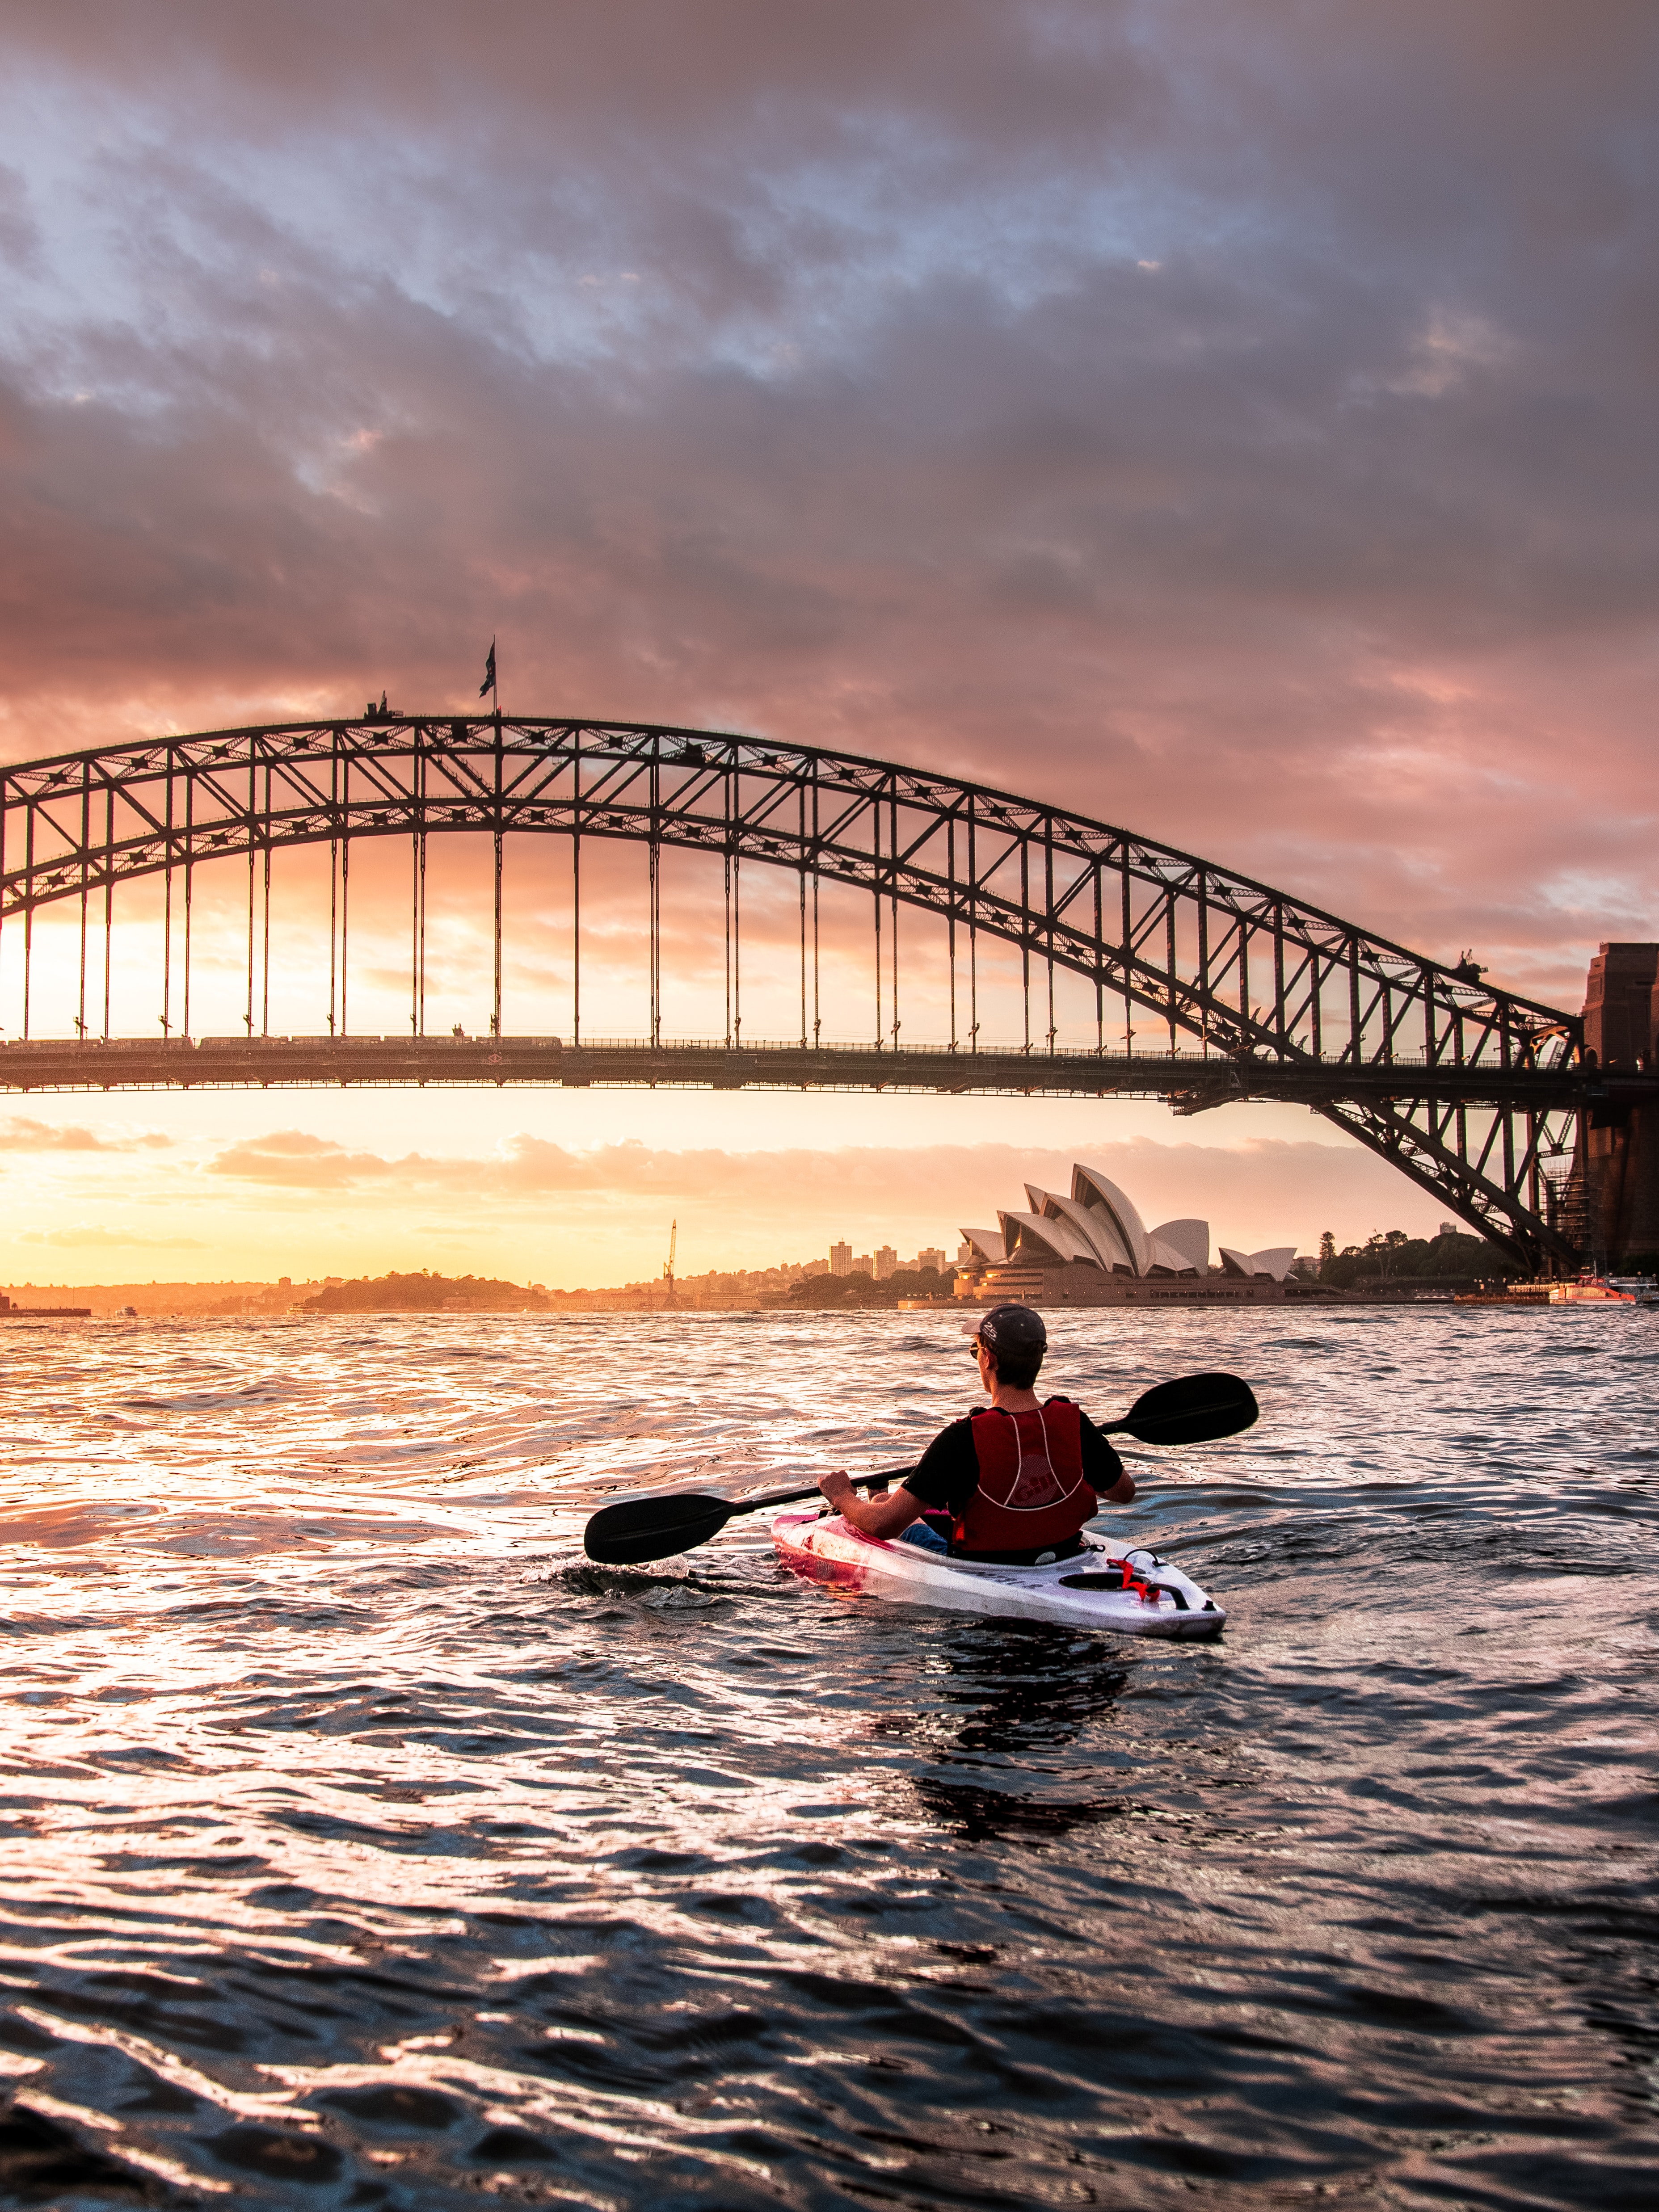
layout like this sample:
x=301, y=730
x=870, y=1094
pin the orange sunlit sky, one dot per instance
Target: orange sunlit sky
x=1234, y=422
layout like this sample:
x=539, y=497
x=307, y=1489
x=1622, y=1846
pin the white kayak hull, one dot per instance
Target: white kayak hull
x=1073, y=1593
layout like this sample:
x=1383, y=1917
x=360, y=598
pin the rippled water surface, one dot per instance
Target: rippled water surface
x=364, y=1846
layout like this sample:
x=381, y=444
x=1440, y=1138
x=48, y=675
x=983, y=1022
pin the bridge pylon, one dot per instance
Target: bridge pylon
x=1616, y=1163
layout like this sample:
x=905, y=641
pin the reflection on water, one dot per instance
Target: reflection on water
x=366, y=1846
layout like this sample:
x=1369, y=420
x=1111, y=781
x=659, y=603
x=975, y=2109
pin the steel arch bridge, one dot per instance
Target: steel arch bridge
x=1478, y=1096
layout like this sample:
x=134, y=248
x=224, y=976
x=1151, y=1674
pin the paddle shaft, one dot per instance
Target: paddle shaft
x=798, y=1496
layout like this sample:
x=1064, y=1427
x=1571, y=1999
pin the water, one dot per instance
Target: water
x=364, y=1847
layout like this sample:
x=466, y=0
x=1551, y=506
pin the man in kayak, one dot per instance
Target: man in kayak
x=1016, y=1481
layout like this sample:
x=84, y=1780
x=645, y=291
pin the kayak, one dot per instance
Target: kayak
x=1091, y=1590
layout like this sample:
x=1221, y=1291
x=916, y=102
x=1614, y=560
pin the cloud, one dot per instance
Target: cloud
x=801, y=1195
x=803, y=370
x=18, y=1133
x=301, y=1162
x=90, y=1237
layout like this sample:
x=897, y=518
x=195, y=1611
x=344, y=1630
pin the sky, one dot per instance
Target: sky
x=1231, y=422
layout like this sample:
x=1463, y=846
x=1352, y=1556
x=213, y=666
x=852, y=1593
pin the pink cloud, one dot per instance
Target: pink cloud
x=1124, y=409
x=19, y=1134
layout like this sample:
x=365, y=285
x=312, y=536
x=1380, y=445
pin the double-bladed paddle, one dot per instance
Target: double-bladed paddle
x=1194, y=1409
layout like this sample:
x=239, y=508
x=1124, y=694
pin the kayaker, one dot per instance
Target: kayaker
x=1015, y=1482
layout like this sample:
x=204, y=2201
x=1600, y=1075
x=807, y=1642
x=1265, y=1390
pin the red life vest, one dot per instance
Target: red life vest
x=1033, y=1495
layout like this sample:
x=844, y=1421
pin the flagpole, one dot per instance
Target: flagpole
x=489, y=685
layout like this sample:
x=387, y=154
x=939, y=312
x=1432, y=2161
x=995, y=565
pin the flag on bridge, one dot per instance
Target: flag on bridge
x=487, y=687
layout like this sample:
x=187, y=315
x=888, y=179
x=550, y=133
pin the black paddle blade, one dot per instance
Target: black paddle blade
x=637, y=1530
x=1192, y=1410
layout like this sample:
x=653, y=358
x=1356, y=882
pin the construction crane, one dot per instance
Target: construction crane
x=668, y=1264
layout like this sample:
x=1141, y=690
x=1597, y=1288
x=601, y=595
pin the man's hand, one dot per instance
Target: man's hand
x=886, y=1516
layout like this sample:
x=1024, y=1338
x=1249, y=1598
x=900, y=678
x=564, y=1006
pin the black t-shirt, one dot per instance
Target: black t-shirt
x=948, y=1474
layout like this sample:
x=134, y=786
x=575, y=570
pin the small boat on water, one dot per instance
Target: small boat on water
x=1606, y=1290
x=1125, y=1588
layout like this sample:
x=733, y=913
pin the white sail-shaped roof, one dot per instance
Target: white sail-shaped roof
x=1163, y=1259
x=1030, y=1236
x=987, y=1244
x=1274, y=1262
x=1098, y=1195
x=1188, y=1241
x=1106, y=1246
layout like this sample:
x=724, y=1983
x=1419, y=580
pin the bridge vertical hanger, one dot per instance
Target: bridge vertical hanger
x=726, y=885
x=973, y=932
x=576, y=889
x=345, y=898
x=737, y=918
x=875, y=903
x=1048, y=920
x=893, y=848
x=1172, y=973
x=166, y=916
x=29, y=916
x=1124, y=951
x=190, y=887
x=333, y=870
x=653, y=863
x=1025, y=944
x=951, y=914
x=418, y=885
x=265, y=957
x=817, y=1009
x=109, y=896
x=496, y=1016
x=252, y=785
x=86, y=827
x=800, y=835
x=1100, y=967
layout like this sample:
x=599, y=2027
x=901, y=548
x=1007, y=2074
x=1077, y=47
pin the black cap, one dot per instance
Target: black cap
x=1015, y=1330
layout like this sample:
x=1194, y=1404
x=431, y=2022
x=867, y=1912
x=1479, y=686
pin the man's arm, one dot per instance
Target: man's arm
x=885, y=1516
x=945, y=1478
x=1113, y=1483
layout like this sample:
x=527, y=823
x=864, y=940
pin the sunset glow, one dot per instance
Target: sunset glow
x=1115, y=405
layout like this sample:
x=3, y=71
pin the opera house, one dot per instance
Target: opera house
x=1093, y=1249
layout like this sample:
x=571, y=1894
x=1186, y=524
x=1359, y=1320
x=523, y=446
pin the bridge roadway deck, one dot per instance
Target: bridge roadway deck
x=1189, y=1081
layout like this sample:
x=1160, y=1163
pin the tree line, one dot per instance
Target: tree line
x=1392, y=1255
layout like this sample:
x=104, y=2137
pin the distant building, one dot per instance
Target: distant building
x=841, y=1259
x=1272, y=1266
x=862, y=1264
x=965, y=1254
x=1093, y=1249
x=886, y=1261
x=931, y=1256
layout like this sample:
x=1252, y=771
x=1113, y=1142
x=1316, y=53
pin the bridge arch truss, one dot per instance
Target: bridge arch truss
x=1478, y=1096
